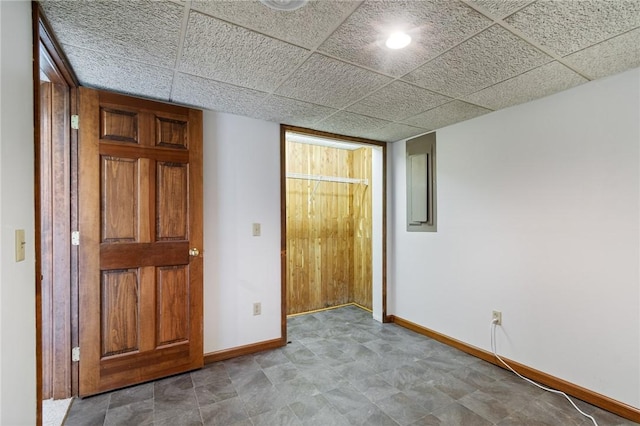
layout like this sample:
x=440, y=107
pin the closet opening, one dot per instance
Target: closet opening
x=333, y=223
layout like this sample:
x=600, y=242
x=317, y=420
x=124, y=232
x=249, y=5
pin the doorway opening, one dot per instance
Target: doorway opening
x=333, y=223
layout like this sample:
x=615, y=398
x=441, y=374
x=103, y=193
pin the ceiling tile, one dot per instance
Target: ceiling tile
x=568, y=26
x=346, y=123
x=395, y=132
x=307, y=26
x=213, y=95
x=537, y=83
x=144, y=31
x=609, y=57
x=290, y=111
x=108, y=72
x=434, y=26
x=228, y=53
x=325, y=81
x=446, y=114
x=397, y=101
x=500, y=8
x=490, y=57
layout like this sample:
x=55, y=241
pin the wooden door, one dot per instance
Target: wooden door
x=140, y=213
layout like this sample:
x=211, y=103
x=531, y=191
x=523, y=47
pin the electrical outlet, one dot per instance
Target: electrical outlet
x=497, y=317
x=255, y=229
x=257, y=308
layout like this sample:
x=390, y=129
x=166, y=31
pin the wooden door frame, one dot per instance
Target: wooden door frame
x=46, y=46
x=283, y=212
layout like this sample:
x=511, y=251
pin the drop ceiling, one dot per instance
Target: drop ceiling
x=325, y=67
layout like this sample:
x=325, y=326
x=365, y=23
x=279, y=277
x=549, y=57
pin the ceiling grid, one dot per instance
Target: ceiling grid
x=324, y=66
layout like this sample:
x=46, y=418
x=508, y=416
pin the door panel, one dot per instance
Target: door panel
x=119, y=125
x=119, y=310
x=171, y=199
x=173, y=306
x=119, y=201
x=140, y=213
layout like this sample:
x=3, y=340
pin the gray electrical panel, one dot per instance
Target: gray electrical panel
x=421, y=183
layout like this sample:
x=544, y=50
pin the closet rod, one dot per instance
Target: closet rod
x=327, y=178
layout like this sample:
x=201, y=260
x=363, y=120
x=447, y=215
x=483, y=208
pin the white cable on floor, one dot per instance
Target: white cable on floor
x=495, y=353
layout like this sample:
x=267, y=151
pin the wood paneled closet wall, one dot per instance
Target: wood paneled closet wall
x=328, y=228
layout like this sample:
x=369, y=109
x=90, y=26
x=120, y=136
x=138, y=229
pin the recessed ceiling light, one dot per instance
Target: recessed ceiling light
x=398, y=40
x=286, y=5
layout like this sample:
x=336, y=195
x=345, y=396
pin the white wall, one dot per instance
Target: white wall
x=17, y=280
x=241, y=186
x=377, y=230
x=538, y=216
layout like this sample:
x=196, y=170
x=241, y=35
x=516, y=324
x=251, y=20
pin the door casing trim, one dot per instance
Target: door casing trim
x=43, y=39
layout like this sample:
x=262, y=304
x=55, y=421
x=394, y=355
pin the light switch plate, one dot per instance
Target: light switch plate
x=256, y=229
x=20, y=243
x=257, y=308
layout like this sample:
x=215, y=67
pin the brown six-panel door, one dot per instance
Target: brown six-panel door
x=140, y=217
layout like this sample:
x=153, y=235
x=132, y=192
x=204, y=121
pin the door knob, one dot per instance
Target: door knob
x=194, y=252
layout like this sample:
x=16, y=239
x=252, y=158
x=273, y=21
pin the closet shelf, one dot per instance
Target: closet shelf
x=322, y=178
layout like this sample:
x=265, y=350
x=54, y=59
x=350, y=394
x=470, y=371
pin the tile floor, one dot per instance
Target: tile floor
x=341, y=368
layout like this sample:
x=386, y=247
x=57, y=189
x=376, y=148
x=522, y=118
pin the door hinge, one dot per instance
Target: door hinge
x=75, y=122
x=75, y=238
x=75, y=354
